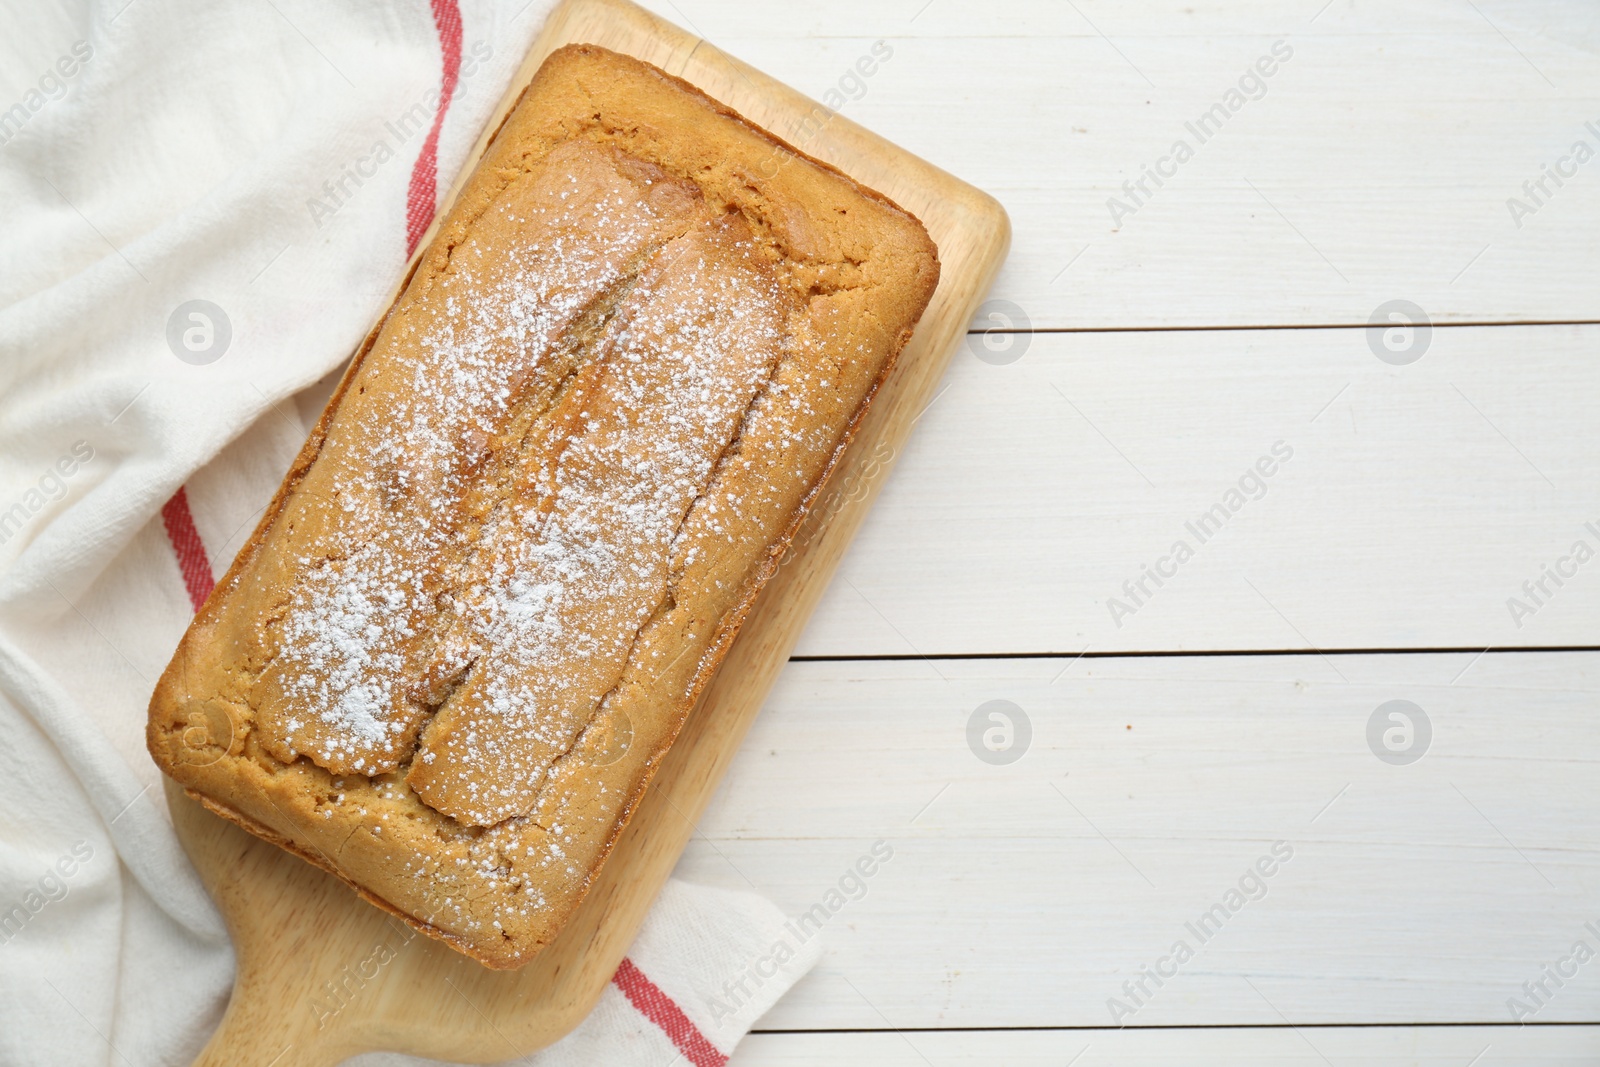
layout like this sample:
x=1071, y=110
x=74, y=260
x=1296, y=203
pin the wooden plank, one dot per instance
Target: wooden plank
x=1417, y=502
x=1495, y=1046
x=1377, y=165
x=288, y=919
x=1026, y=895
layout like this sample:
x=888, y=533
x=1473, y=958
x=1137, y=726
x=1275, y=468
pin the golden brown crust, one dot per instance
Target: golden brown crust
x=322, y=863
x=267, y=714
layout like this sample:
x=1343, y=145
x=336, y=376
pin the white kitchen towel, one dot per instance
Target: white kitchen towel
x=202, y=209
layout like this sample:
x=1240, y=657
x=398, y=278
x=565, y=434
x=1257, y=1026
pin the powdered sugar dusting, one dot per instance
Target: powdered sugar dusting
x=347, y=671
x=515, y=513
x=343, y=637
x=575, y=575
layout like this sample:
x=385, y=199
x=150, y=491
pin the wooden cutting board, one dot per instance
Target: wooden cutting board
x=322, y=975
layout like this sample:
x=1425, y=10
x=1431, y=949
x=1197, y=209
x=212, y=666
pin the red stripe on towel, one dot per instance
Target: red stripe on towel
x=188, y=547
x=422, y=200
x=662, y=1010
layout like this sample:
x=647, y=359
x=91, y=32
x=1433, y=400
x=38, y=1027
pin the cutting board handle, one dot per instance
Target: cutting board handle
x=260, y=1029
x=288, y=1008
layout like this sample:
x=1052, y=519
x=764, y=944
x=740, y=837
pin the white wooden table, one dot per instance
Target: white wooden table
x=1164, y=346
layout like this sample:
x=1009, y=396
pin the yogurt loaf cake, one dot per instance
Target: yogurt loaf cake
x=534, y=515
